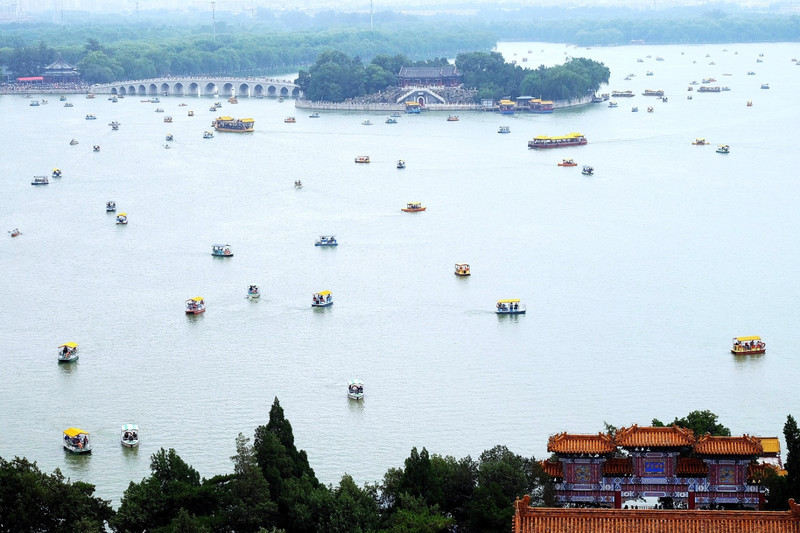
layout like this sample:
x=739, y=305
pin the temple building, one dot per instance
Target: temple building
x=529, y=519
x=615, y=471
x=59, y=71
x=429, y=77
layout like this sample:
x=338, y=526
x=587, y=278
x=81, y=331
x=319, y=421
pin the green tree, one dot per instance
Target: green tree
x=792, y=436
x=700, y=422
x=31, y=500
x=97, y=67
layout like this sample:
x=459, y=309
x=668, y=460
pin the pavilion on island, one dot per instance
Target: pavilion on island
x=429, y=77
x=667, y=463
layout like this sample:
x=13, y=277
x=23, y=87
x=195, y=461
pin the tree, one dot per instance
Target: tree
x=31, y=500
x=97, y=67
x=700, y=422
x=792, y=435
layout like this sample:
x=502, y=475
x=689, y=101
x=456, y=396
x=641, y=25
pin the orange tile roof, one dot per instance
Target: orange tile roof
x=528, y=519
x=618, y=466
x=653, y=437
x=691, y=467
x=553, y=468
x=744, y=445
x=566, y=443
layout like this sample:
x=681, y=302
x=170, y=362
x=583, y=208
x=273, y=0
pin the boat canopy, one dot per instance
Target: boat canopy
x=509, y=301
x=224, y=118
x=324, y=293
x=130, y=427
x=462, y=264
x=123, y=214
x=745, y=339
x=69, y=345
x=327, y=236
x=507, y=102
x=220, y=245
x=74, y=432
x=196, y=299
x=564, y=137
x=355, y=381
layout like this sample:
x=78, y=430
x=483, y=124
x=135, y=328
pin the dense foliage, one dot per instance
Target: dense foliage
x=274, y=489
x=336, y=76
x=31, y=500
x=700, y=422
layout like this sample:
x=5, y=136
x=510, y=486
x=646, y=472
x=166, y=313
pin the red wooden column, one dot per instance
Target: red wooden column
x=691, y=500
x=617, y=499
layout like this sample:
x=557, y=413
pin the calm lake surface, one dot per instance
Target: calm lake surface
x=635, y=279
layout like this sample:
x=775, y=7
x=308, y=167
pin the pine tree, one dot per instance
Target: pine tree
x=792, y=435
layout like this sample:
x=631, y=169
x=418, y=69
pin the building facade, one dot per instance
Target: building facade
x=657, y=462
x=429, y=77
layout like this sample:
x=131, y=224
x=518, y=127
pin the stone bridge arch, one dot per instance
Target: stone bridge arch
x=243, y=90
x=209, y=88
x=178, y=89
x=194, y=89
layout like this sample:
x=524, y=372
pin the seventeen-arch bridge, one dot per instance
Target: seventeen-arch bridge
x=258, y=87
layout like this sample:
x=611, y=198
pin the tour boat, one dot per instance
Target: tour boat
x=73, y=142
x=208, y=135
x=391, y=120
x=322, y=299
x=233, y=100
x=195, y=306
x=568, y=163
x=748, y=346
x=765, y=85
x=169, y=137
x=543, y=141
x=366, y=122
x=326, y=240
x=362, y=159
x=77, y=441
x=168, y=118
x=413, y=207
x=290, y=120
x=622, y=94
x=462, y=269
x=56, y=173
x=40, y=180
x=111, y=206
x=749, y=103
x=129, y=435
x=15, y=232
x=612, y=103
x=68, y=104
x=510, y=307
x=221, y=250
x=62, y=98
x=253, y=292
x=723, y=149
x=298, y=184
x=314, y=115
x=355, y=389
x=96, y=148
x=191, y=113
x=67, y=352
x=401, y=163
x=34, y=103
x=234, y=125
x=122, y=219
x=452, y=118
x=587, y=170
x=634, y=109
x=651, y=92
x=504, y=129
x=700, y=142
x=91, y=117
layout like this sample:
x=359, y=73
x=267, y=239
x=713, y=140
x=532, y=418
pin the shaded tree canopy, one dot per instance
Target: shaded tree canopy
x=700, y=422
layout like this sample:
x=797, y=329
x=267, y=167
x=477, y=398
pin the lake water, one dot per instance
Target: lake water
x=635, y=279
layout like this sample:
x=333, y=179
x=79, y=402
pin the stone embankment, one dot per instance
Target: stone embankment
x=353, y=105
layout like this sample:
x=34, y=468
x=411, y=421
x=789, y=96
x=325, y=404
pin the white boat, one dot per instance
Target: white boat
x=195, y=306
x=221, y=250
x=73, y=142
x=314, y=115
x=391, y=120
x=355, y=389
x=111, y=206
x=401, y=163
x=56, y=173
x=91, y=117
x=327, y=240
x=504, y=129
x=587, y=170
x=96, y=147
x=15, y=232
x=129, y=435
x=169, y=137
x=723, y=149
x=77, y=441
x=253, y=291
x=366, y=122
x=67, y=352
x=122, y=219
x=298, y=184
x=40, y=180
x=322, y=299
x=462, y=270
x=208, y=135
x=510, y=307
